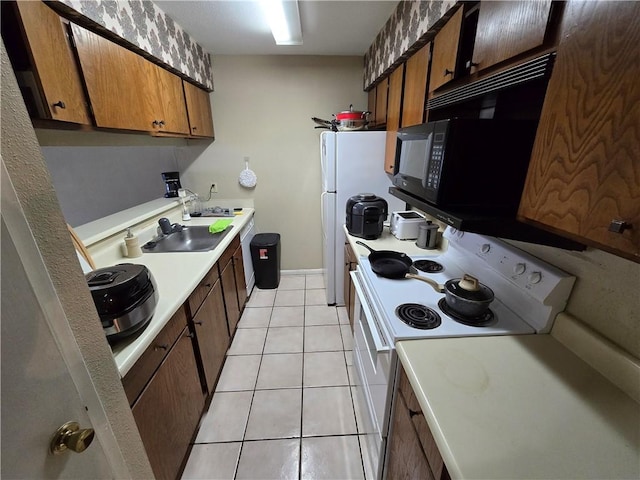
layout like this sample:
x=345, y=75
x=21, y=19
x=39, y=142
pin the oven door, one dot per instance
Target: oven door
x=374, y=363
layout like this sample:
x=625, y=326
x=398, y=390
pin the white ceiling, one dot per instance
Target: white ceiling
x=237, y=27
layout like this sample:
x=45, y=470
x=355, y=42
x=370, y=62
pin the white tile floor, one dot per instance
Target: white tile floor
x=283, y=407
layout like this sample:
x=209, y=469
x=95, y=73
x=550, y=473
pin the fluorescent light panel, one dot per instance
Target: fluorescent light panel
x=283, y=17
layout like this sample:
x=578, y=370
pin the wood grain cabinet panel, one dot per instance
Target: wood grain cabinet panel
x=445, y=52
x=169, y=105
x=508, y=28
x=53, y=63
x=229, y=289
x=199, y=110
x=168, y=411
x=415, y=87
x=126, y=90
x=585, y=172
x=350, y=264
x=406, y=459
x=382, y=91
x=212, y=337
x=394, y=111
x=138, y=376
x=371, y=106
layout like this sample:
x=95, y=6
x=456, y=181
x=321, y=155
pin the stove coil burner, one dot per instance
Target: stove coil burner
x=428, y=266
x=484, y=320
x=418, y=316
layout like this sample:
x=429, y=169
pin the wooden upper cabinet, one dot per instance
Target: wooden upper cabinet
x=445, y=52
x=508, y=28
x=584, y=175
x=53, y=63
x=170, y=107
x=371, y=106
x=415, y=87
x=394, y=110
x=382, y=90
x=126, y=90
x=199, y=110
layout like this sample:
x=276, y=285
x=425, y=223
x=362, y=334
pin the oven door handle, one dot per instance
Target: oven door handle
x=380, y=344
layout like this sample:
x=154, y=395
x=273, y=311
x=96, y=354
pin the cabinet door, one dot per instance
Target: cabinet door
x=114, y=77
x=210, y=324
x=371, y=106
x=230, y=296
x=415, y=87
x=508, y=28
x=394, y=110
x=585, y=172
x=241, y=284
x=199, y=110
x=381, y=102
x=445, y=52
x=406, y=458
x=171, y=110
x=55, y=66
x=168, y=411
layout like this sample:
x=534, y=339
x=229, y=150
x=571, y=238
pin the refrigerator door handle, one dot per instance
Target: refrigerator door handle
x=322, y=208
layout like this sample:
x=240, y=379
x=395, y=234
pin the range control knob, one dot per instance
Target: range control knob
x=485, y=248
x=520, y=268
x=535, y=277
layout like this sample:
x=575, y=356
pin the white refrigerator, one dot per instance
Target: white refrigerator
x=352, y=163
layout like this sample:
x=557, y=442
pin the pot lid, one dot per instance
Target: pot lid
x=469, y=288
x=118, y=288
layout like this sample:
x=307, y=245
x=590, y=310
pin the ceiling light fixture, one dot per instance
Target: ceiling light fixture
x=283, y=17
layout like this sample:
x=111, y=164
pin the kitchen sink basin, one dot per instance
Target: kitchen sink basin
x=190, y=239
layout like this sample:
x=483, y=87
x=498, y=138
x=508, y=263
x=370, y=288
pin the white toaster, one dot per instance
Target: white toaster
x=406, y=225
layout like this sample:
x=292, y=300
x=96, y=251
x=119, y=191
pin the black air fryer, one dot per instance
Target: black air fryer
x=366, y=213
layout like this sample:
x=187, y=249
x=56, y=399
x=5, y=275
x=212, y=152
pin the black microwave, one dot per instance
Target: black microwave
x=464, y=164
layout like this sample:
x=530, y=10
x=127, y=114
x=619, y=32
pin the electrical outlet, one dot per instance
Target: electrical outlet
x=214, y=188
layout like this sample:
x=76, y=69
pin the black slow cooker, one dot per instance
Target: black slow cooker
x=125, y=296
x=366, y=214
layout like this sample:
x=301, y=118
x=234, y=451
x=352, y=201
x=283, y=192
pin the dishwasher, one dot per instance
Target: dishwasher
x=246, y=235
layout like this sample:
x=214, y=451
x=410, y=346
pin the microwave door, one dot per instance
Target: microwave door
x=426, y=154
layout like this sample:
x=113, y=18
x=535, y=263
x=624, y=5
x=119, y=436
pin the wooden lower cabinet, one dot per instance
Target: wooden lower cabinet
x=168, y=411
x=212, y=337
x=406, y=458
x=412, y=450
x=228, y=279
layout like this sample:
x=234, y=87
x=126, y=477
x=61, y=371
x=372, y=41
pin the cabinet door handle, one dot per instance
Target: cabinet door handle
x=191, y=335
x=194, y=128
x=155, y=123
x=470, y=64
x=197, y=323
x=208, y=285
x=448, y=72
x=413, y=413
x=164, y=347
x=60, y=104
x=161, y=123
x=619, y=226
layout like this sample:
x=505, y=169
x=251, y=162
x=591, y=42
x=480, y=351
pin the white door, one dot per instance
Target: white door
x=42, y=369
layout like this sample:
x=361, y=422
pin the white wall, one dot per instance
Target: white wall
x=262, y=108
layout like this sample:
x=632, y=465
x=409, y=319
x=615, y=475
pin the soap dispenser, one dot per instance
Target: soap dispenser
x=133, y=245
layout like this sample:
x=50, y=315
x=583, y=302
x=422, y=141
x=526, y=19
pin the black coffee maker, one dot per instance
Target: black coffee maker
x=366, y=213
x=171, y=183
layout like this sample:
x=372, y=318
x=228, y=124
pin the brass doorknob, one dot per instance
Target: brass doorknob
x=70, y=436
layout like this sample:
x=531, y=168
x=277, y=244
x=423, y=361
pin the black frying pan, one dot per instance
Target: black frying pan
x=388, y=263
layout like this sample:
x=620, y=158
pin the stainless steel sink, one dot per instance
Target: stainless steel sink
x=190, y=239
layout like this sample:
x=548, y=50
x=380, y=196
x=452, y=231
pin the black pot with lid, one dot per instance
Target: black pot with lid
x=125, y=296
x=366, y=213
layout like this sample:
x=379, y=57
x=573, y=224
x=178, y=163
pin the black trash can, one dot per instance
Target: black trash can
x=265, y=256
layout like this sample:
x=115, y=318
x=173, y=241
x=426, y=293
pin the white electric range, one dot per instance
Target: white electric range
x=528, y=294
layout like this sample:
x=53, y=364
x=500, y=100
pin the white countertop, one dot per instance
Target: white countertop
x=176, y=274
x=388, y=242
x=522, y=407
